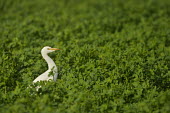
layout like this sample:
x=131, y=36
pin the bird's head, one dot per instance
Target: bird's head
x=48, y=49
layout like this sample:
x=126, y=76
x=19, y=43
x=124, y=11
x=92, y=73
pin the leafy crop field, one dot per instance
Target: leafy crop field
x=114, y=57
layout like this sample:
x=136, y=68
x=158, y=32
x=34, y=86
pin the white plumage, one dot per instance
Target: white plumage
x=52, y=72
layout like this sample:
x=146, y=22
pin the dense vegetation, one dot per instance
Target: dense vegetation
x=115, y=56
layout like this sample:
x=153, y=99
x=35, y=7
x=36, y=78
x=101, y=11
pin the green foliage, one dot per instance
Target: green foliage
x=114, y=58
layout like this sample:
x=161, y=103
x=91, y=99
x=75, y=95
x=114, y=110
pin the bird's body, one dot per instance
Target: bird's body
x=45, y=77
x=52, y=72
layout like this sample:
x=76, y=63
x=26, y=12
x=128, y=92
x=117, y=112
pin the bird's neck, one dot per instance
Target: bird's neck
x=50, y=62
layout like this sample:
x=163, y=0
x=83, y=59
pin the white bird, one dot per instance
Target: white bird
x=52, y=72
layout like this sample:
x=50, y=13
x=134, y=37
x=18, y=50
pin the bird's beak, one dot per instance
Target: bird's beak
x=53, y=49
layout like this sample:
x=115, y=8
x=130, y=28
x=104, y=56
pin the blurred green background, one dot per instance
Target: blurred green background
x=114, y=58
